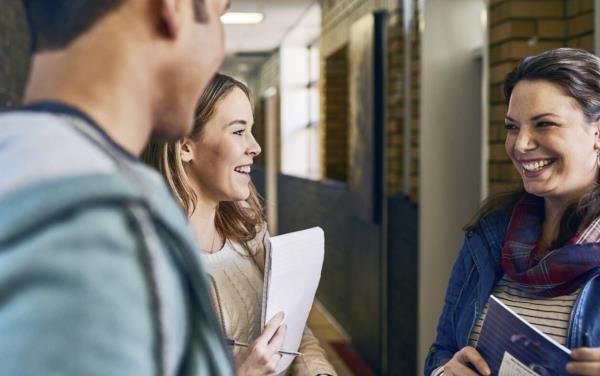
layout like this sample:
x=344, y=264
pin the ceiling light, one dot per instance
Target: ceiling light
x=242, y=18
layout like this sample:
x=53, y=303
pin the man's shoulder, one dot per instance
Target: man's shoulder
x=77, y=264
x=57, y=204
x=40, y=146
x=82, y=236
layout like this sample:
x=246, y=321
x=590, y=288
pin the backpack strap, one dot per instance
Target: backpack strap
x=184, y=252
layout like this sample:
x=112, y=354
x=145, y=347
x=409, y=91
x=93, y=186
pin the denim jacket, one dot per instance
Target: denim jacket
x=474, y=275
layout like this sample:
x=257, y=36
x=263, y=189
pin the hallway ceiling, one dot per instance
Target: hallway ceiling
x=279, y=17
x=247, y=46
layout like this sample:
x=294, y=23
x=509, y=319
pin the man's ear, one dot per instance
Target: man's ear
x=170, y=16
x=186, y=150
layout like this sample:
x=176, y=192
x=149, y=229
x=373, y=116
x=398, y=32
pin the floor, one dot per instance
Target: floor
x=336, y=343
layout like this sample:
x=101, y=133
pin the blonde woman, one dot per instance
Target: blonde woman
x=209, y=174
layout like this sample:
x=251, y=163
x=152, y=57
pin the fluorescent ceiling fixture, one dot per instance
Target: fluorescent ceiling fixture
x=242, y=18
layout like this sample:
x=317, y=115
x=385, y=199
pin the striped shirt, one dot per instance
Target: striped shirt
x=549, y=315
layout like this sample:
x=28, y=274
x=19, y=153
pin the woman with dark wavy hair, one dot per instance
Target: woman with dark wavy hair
x=209, y=174
x=536, y=249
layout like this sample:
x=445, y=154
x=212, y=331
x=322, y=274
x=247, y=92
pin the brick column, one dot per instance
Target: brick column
x=334, y=115
x=396, y=111
x=580, y=24
x=517, y=28
x=415, y=91
x=395, y=118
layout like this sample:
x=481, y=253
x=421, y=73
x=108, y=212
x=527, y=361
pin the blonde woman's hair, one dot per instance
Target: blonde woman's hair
x=235, y=220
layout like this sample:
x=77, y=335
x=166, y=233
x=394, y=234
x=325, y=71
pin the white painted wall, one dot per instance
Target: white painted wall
x=450, y=146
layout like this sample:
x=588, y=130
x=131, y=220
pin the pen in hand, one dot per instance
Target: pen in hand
x=232, y=342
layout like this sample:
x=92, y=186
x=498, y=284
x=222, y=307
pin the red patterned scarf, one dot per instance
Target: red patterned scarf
x=562, y=270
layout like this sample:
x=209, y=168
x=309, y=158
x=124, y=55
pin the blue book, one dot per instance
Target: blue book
x=513, y=347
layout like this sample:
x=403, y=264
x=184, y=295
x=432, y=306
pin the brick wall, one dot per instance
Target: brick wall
x=580, y=24
x=415, y=95
x=336, y=18
x=338, y=15
x=334, y=115
x=519, y=28
x=402, y=213
x=395, y=105
x=396, y=113
x=14, y=53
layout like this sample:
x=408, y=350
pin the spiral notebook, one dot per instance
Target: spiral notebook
x=292, y=273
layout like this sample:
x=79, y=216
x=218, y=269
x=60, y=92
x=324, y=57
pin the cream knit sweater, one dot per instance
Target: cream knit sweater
x=236, y=284
x=236, y=281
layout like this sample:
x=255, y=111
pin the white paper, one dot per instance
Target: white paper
x=292, y=273
x=511, y=366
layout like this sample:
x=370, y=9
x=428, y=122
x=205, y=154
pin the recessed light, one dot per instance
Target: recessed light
x=242, y=18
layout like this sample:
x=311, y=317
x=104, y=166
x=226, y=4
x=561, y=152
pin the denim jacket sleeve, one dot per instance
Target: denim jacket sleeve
x=445, y=345
x=74, y=299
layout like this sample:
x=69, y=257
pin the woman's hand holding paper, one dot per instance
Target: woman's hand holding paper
x=261, y=356
x=459, y=364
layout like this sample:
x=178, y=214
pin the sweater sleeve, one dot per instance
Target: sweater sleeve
x=314, y=360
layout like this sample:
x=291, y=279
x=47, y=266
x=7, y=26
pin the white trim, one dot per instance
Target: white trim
x=485, y=107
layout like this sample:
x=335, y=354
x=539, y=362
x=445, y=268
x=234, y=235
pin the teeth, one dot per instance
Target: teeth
x=536, y=166
x=243, y=169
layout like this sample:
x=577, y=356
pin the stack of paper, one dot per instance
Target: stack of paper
x=292, y=273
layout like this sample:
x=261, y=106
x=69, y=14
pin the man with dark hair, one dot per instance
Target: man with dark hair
x=54, y=24
x=98, y=274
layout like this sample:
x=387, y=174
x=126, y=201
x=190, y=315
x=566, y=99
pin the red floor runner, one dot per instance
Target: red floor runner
x=353, y=361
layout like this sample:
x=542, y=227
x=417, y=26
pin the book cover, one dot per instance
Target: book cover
x=513, y=347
